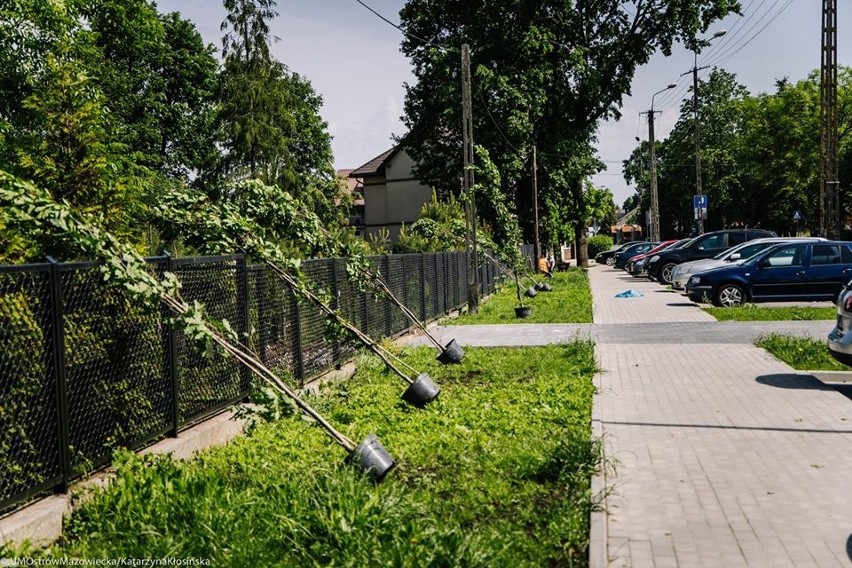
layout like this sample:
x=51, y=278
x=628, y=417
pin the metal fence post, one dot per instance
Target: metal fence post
x=388, y=310
x=335, y=305
x=298, y=356
x=243, y=306
x=172, y=359
x=59, y=373
x=422, y=286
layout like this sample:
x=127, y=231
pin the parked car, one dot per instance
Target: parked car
x=708, y=245
x=608, y=256
x=622, y=256
x=635, y=266
x=809, y=271
x=682, y=272
x=840, y=338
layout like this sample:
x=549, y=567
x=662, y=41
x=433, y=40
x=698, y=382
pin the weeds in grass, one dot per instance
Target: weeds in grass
x=752, y=312
x=495, y=472
x=800, y=353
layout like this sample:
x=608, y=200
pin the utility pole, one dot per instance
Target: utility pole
x=535, y=204
x=698, y=187
x=470, y=204
x=655, y=201
x=694, y=71
x=831, y=221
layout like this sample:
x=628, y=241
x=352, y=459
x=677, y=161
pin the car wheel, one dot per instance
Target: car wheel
x=729, y=295
x=666, y=273
x=610, y=261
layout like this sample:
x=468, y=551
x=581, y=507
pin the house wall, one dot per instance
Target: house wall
x=396, y=199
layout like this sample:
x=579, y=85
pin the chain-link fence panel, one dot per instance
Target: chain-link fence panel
x=29, y=427
x=397, y=283
x=377, y=309
x=430, y=286
x=350, y=305
x=274, y=323
x=318, y=352
x=117, y=377
x=208, y=378
x=412, y=269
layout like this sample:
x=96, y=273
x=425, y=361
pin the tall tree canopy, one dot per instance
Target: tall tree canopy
x=756, y=150
x=545, y=74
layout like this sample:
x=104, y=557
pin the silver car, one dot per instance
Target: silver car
x=682, y=272
x=840, y=338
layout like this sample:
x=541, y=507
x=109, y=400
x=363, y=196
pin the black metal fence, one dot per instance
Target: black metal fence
x=83, y=370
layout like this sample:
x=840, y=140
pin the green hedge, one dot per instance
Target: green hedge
x=598, y=244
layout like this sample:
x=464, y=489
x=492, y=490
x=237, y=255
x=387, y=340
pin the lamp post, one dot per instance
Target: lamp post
x=694, y=71
x=655, y=202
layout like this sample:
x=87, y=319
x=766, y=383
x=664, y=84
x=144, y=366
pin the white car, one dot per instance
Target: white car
x=682, y=272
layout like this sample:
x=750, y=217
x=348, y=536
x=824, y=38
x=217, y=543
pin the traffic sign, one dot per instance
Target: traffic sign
x=699, y=202
x=797, y=216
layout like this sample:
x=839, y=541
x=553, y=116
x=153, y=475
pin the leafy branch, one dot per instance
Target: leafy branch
x=29, y=207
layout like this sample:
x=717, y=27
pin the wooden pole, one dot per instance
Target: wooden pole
x=470, y=204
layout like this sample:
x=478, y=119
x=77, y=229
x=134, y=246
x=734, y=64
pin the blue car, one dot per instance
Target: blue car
x=628, y=252
x=809, y=271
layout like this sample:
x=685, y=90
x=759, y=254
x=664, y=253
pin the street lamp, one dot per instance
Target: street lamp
x=655, y=203
x=695, y=70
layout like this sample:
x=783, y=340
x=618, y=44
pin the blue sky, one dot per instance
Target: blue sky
x=352, y=59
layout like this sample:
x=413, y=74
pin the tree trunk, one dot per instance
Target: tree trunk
x=580, y=228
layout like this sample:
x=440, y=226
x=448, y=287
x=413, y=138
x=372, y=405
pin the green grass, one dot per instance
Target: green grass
x=800, y=353
x=496, y=472
x=751, y=312
x=569, y=302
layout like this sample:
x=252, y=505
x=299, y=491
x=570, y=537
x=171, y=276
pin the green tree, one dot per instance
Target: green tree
x=269, y=116
x=545, y=74
x=160, y=80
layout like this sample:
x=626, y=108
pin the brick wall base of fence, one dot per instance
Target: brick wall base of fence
x=40, y=523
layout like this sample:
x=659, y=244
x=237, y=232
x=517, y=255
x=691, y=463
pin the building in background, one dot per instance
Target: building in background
x=355, y=188
x=392, y=195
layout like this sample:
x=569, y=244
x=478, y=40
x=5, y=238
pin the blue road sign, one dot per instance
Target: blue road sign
x=797, y=216
x=699, y=202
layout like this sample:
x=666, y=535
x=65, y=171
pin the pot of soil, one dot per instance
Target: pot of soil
x=531, y=292
x=523, y=312
x=373, y=459
x=452, y=353
x=421, y=392
x=545, y=287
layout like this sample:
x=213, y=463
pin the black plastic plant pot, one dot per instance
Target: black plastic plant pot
x=531, y=292
x=452, y=353
x=545, y=287
x=372, y=457
x=539, y=286
x=421, y=392
x=523, y=312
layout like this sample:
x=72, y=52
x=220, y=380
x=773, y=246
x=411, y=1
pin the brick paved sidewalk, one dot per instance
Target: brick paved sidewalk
x=719, y=455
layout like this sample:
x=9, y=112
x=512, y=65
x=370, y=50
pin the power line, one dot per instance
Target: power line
x=723, y=58
x=405, y=32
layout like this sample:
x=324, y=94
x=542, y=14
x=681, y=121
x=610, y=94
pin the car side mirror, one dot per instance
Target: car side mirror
x=735, y=256
x=701, y=248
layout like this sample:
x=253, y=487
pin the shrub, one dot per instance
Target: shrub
x=598, y=244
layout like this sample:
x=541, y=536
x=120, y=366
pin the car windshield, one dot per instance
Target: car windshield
x=745, y=251
x=684, y=243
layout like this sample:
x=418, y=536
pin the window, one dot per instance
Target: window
x=736, y=239
x=846, y=255
x=825, y=254
x=752, y=250
x=713, y=242
x=787, y=256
